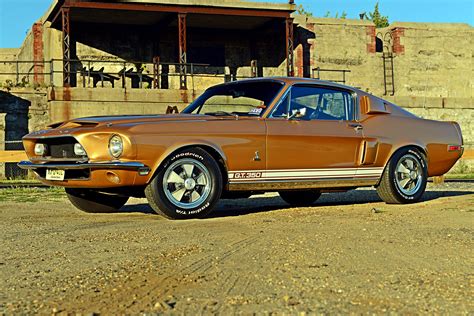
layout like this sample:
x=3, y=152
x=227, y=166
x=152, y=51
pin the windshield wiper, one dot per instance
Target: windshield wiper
x=222, y=113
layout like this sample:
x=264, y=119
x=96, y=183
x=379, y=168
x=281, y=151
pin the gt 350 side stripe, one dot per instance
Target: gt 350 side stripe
x=295, y=174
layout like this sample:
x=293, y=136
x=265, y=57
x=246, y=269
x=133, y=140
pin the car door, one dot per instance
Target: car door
x=311, y=133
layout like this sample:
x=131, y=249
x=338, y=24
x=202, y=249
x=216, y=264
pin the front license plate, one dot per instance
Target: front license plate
x=53, y=174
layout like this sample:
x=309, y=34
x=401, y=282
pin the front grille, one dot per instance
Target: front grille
x=62, y=151
x=61, y=148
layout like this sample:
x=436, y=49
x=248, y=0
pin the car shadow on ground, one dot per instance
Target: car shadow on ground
x=239, y=207
x=258, y=204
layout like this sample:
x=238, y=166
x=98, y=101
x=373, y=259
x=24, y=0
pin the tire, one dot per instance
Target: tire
x=188, y=185
x=404, y=178
x=300, y=198
x=91, y=201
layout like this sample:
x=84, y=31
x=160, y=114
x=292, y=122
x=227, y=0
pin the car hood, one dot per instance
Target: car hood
x=133, y=119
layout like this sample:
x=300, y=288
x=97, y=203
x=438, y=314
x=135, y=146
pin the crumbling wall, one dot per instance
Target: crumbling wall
x=344, y=44
x=8, y=56
x=433, y=64
x=433, y=60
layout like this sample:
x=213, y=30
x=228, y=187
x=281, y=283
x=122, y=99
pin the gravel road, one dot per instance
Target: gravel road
x=349, y=253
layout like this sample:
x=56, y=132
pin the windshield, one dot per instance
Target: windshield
x=250, y=98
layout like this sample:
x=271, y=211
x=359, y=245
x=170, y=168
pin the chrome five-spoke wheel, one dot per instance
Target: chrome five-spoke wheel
x=408, y=174
x=404, y=178
x=187, y=186
x=187, y=183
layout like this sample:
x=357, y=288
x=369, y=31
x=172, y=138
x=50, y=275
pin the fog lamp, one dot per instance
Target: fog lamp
x=40, y=149
x=79, y=150
x=116, y=146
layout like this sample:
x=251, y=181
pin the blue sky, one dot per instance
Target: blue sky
x=17, y=16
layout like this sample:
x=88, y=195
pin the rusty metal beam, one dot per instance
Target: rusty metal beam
x=181, y=9
x=56, y=17
x=289, y=46
x=156, y=72
x=66, y=46
x=182, y=50
x=253, y=68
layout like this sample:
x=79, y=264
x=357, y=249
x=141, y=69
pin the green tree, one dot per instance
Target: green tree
x=302, y=11
x=378, y=19
x=336, y=16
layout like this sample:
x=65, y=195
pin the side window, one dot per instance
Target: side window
x=281, y=109
x=319, y=103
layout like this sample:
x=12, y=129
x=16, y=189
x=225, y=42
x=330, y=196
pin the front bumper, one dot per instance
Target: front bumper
x=128, y=165
x=92, y=174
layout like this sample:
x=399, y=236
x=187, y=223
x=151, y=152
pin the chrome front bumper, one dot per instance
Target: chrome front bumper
x=129, y=165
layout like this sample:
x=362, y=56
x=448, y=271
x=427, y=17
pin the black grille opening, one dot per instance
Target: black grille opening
x=61, y=147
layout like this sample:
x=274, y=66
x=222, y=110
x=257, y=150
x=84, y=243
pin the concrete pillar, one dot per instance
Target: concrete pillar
x=38, y=55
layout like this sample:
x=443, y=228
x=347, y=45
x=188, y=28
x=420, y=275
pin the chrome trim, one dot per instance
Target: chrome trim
x=91, y=165
x=278, y=102
x=33, y=136
x=408, y=175
x=47, y=159
x=270, y=185
x=187, y=177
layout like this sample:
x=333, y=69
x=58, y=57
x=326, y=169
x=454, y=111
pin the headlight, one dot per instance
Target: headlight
x=79, y=150
x=40, y=149
x=116, y=146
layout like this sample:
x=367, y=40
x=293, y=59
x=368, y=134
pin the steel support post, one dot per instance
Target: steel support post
x=253, y=68
x=66, y=47
x=289, y=46
x=182, y=50
x=156, y=72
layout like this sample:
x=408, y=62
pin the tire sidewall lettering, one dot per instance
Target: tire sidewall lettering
x=187, y=155
x=193, y=212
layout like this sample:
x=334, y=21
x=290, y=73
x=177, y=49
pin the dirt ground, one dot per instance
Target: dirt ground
x=348, y=253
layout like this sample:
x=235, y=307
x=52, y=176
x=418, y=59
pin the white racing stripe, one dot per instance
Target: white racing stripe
x=295, y=174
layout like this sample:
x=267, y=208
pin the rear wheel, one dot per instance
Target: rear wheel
x=404, y=179
x=92, y=201
x=300, y=198
x=188, y=185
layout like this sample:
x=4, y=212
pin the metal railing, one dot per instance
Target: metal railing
x=96, y=72
x=316, y=74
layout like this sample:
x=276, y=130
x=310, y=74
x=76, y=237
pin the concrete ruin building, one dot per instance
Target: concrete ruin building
x=99, y=57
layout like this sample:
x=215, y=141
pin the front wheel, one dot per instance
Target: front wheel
x=404, y=178
x=188, y=185
x=92, y=201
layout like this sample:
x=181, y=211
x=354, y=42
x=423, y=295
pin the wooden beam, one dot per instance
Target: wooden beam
x=468, y=154
x=12, y=155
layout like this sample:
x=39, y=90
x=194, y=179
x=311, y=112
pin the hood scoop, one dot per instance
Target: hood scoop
x=74, y=124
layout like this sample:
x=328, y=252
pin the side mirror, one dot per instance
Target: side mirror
x=297, y=113
x=372, y=106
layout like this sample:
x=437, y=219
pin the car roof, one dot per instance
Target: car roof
x=293, y=80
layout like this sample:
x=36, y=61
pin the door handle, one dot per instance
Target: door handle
x=356, y=126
